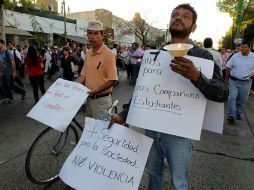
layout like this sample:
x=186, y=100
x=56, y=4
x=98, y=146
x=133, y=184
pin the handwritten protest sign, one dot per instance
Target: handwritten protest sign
x=59, y=104
x=106, y=158
x=165, y=101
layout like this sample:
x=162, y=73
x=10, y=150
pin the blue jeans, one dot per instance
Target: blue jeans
x=238, y=96
x=134, y=72
x=177, y=151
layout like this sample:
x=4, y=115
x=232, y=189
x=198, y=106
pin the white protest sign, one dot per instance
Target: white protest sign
x=214, y=117
x=165, y=101
x=59, y=104
x=106, y=158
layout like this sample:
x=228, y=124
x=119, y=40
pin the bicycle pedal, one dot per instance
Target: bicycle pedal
x=73, y=143
x=54, y=152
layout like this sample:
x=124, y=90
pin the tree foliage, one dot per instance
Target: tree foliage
x=234, y=8
x=241, y=11
x=11, y=4
x=242, y=14
x=140, y=28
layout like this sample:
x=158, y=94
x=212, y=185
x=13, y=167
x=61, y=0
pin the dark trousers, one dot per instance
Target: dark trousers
x=52, y=70
x=19, y=81
x=134, y=72
x=37, y=81
x=128, y=70
x=22, y=71
x=224, y=73
x=252, y=85
x=9, y=85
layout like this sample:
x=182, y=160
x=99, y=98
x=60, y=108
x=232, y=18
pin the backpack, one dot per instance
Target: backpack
x=16, y=60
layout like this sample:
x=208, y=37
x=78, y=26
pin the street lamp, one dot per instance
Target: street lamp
x=236, y=23
x=239, y=16
x=65, y=33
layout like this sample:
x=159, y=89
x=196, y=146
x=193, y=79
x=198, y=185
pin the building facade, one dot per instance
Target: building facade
x=47, y=24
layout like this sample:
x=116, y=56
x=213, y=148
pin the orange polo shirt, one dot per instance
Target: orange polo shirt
x=99, y=67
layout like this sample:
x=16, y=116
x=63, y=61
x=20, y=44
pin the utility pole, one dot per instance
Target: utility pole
x=65, y=32
x=2, y=20
x=239, y=17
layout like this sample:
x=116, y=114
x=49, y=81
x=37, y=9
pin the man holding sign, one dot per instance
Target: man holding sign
x=99, y=72
x=177, y=150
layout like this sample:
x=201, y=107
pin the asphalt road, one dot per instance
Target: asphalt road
x=219, y=161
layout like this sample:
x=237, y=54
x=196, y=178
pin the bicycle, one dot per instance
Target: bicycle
x=50, y=150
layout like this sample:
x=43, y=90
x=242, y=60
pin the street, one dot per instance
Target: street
x=219, y=161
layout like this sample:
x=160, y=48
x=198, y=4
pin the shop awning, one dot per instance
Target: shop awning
x=16, y=31
x=78, y=39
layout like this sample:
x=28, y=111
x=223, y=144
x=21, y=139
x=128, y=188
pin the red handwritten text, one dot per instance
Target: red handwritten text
x=58, y=94
x=77, y=88
x=66, y=85
x=54, y=107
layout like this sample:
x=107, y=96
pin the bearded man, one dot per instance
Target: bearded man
x=177, y=150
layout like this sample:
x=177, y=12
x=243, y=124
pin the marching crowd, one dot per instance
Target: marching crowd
x=65, y=62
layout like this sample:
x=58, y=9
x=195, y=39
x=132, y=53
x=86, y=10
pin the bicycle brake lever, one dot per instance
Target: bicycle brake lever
x=111, y=107
x=115, y=103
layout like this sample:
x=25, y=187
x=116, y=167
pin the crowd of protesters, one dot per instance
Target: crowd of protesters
x=67, y=62
x=37, y=64
x=41, y=63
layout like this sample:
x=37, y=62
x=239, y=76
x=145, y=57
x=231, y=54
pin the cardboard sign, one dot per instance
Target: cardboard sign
x=59, y=104
x=165, y=101
x=106, y=158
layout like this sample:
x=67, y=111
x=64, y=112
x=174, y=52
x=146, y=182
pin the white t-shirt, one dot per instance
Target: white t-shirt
x=114, y=51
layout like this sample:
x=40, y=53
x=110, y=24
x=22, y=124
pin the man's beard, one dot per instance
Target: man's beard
x=179, y=33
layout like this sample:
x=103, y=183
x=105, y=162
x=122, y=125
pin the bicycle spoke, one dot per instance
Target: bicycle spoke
x=46, y=159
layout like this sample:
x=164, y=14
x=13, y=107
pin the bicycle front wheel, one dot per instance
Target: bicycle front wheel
x=48, y=153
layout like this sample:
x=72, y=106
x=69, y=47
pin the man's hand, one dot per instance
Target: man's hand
x=14, y=75
x=115, y=119
x=226, y=81
x=185, y=67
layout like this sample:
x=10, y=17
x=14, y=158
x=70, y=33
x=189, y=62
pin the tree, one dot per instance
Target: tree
x=140, y=28
x=241, y=12
x=11, y=4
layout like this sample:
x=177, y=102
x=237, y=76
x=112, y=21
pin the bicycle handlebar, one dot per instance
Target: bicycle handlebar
x=111, y=107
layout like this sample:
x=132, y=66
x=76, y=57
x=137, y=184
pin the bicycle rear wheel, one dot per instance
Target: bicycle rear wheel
x=48, y=153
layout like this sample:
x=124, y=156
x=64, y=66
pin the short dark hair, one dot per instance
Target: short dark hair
x=66, y=48
x=208, y=43
x=246, y=42
x=2, y=41
x=190, y=8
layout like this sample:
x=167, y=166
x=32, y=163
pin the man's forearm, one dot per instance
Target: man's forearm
x=213, y=89
x=227, y=75
x=80, y=79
